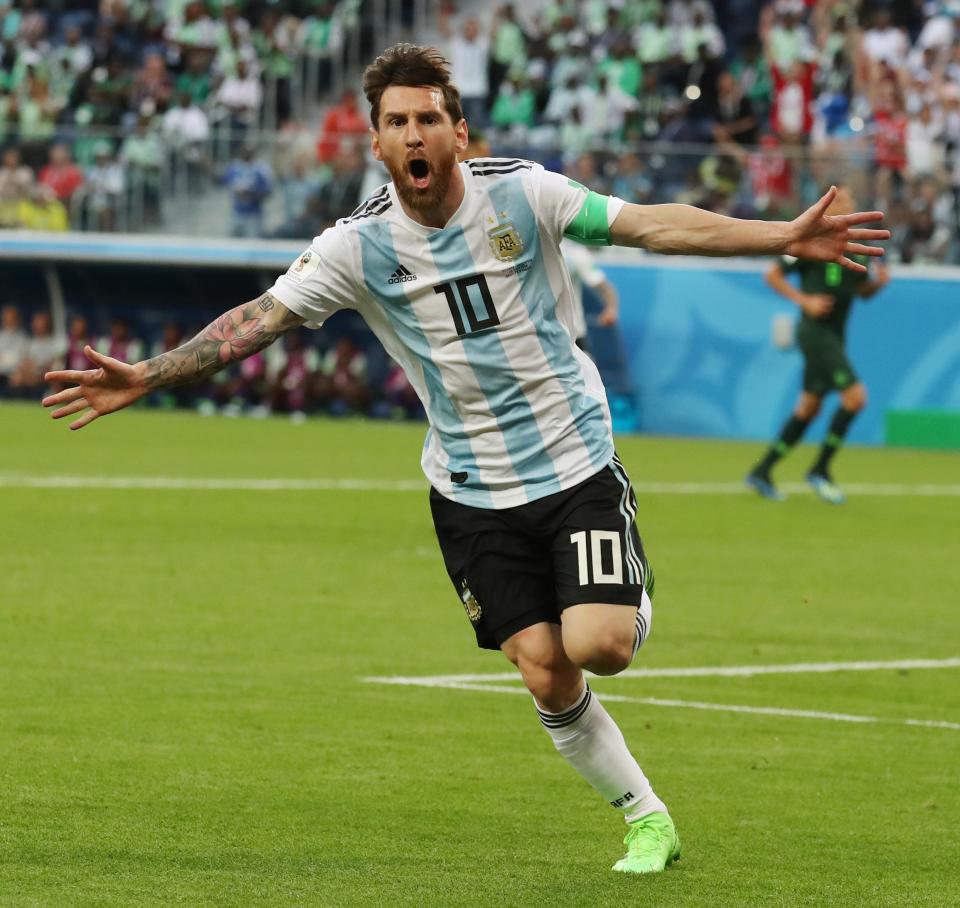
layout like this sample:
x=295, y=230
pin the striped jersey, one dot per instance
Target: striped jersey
x=481, y=316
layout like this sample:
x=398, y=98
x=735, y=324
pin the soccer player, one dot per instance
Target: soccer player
x=457, y=269
x=825, y=298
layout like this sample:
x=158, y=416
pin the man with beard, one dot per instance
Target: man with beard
x=457, y=269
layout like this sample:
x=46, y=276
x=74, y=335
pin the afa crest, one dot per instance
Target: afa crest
x=470, y=604
x=505, y=241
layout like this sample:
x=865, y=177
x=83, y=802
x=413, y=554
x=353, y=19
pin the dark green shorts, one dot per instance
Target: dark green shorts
x=826, y=366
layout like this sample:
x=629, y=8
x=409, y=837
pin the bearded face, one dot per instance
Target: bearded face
x=419, y=144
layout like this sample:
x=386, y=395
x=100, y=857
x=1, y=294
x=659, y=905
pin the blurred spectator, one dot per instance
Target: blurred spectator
x=792, y=111
x=61, y=174
x=99, y=197
x=342, y=385
x=753, y=76
x=250, y=183
x=78, y=336
x=606, y=115
x=508, y=47
x=186, y=132
x=273, y=40
x=701, y=33
x=41, y=353
x=141, y=155
x=42, y=211
x=153, y=82
x=631, y=183
x=734, y=120
x=399, y=395
x=883, y=42
x=120, y=344
x=292, y=390
x=343, y=124
x=515, y=105
x=771, y=179
x=195, y=79
x=656, y=41
x=890, y=139
x=238, y=101
x=75, y=55
x=788, y=42
x=13, y=343
x=469, y=62
x=298, y=182
x=924, y=144
x=929, y=224
x=339, y=194
x=16, y=186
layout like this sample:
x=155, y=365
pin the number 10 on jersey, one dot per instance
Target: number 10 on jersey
x=468, y=304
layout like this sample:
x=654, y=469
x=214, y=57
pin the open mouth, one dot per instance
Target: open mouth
x=419, y=173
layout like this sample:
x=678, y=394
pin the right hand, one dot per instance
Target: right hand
x=112, y=386
x=816, y=305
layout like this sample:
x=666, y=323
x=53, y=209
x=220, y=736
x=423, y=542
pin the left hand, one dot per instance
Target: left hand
x=607, y=318
x=818, y=236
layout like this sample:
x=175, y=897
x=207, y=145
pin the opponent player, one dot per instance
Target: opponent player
x=457, y=269
x=825, y=298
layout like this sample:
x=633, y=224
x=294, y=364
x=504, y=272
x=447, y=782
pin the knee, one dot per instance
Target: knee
x=807, y=409
x=855, y=398
x=549, y=675
x=607, y=652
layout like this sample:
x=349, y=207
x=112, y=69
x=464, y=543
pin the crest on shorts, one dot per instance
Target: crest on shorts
x=505, y=241
x=470, y=604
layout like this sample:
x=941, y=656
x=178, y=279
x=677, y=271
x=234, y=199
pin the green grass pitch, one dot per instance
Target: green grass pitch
x=183, y=718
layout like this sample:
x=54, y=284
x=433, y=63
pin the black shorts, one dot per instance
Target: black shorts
x=516, y=567
x=826, y=366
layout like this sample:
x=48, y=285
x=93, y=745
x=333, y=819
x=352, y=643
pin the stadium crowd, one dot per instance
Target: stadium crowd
x=734, y=105
x=790, y=95
x=96, y=104
x=351, y=375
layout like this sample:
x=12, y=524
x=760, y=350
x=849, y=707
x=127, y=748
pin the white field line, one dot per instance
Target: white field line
x=712, y=671
x=241, y=484
x=715, y=707
x=485, y=684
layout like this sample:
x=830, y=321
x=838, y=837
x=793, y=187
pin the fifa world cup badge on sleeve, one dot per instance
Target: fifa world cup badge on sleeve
x=304, y=266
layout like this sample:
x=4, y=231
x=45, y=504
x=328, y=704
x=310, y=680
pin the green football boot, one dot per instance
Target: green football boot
x=652, y=845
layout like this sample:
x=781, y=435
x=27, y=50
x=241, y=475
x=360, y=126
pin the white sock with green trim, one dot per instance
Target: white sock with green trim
x=590, y=741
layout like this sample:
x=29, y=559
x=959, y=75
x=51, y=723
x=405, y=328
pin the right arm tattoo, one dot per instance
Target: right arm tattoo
x=233, y=336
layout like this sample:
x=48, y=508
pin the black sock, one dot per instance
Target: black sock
x=790, y=434
x=831, y=444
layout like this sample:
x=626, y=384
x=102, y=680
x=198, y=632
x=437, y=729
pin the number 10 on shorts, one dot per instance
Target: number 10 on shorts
x=590, y=555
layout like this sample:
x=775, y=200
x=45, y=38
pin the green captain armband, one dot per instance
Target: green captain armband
x=590, y=226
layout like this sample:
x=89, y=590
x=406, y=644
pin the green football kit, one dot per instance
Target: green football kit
x=821, y=340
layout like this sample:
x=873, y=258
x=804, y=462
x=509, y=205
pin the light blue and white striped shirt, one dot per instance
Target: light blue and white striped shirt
x=480, y=315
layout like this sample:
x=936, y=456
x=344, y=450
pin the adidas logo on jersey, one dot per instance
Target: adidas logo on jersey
x=401, y=276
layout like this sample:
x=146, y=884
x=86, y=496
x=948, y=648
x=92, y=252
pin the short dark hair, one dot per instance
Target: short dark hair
x=414, y=66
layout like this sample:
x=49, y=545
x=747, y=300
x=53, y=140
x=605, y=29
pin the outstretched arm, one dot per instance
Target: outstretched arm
x=681, y=229
x=113, y=385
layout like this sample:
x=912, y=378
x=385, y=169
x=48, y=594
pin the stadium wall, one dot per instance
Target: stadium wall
x=703, y=359
x=697, y=347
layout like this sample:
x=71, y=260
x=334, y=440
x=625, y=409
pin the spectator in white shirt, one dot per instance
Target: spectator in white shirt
x=239, y=99
x=925, y=151
x=884, y=43
x=13, y=342
x=469, y=61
